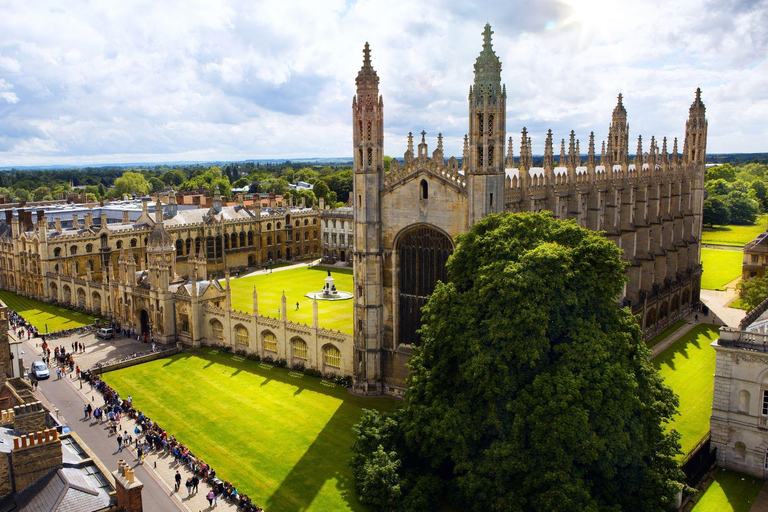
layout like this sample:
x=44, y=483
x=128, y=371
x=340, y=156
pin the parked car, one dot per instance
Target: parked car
x=107, y=333
x=40, y=370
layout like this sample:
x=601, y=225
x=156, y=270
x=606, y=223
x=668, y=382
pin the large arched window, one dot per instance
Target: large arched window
x=250, y=238
x=73, y=250
x=134, y=242
x=424, y=189
x=57, y=252
x=422, y=253
x=241, y=334
x=179, y=248
x=332, y=356
x=242, y=239
x=89, y=248
x=217, y=330
x=299, y=348
x=269, y=341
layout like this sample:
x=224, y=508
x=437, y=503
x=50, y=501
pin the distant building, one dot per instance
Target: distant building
x=338, y=234
x=755, y=257
x=301, y=185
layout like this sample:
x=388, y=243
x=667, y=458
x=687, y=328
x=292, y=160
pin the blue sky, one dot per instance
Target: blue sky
x=109, y=82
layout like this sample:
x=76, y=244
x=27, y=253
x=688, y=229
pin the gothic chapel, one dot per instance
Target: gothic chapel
x=406, y=219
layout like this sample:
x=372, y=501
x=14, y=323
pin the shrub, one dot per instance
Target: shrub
x=268, y=359
x=281, y=363
x=253, y=357
x=241, y=353
x=313, y=373
x=299, y=367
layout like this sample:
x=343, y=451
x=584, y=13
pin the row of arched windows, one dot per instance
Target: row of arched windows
x=299, y=348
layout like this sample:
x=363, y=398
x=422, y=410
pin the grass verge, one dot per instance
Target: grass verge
x=721, y=266
x=281, y=437
x=46, y=317
x=732, y=234
x=665, y=333
x=729, y=492
x=688, y=366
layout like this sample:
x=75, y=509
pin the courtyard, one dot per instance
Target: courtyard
x=688, y=367
x=280, y=436
x=46, y=317
x=296, y=282
x=730, y=491
x=721, y=266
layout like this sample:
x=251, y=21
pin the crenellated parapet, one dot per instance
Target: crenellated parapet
x=422, y=162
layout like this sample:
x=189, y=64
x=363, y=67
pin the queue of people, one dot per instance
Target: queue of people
x=150, y=437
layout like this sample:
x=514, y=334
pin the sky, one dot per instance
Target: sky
x=85, y=83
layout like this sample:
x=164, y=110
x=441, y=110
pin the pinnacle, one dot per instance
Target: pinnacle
x=367, y=55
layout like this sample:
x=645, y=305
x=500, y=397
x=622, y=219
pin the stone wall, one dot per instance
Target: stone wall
x=6, y=486
x=34, y=456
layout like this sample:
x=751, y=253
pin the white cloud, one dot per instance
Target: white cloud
x=158, y=80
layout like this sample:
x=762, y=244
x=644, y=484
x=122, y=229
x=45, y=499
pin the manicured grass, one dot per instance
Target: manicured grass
x=688, y=366
x=665, y=333
x=738, y=304
x=729, y=492
x=721, y=266
x=281, y=437
x=296, y=282
x=41, y=314
x=734, y=235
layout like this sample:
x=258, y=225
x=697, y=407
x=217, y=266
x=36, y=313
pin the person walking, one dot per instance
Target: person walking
x=189, y=486
x=119, y=442
x=195, y=483
x=85, y=412
x=178, y=480
x=210, y=497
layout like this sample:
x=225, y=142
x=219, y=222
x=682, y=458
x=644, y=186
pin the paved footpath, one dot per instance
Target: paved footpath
x=158, y=494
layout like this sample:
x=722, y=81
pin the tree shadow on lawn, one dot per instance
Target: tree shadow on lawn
x=692, y=339
x=317, y=465
x=309, y=475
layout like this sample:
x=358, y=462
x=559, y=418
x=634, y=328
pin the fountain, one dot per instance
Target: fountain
x=329, y=291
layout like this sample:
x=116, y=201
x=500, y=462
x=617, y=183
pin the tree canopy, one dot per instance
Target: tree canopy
x=716, y=211
x=753, y=291
x=531, y=389
x=130, y=183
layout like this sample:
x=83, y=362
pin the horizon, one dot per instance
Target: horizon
x=234, y=81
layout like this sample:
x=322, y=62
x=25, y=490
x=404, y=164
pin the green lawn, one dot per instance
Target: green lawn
x=296, y=282
x=281, y=437
x=738, y=304
x=663, y=334
x=734, y=235
x=730, y=492
x=688, y=366
x=43, y=315
x=721, y=266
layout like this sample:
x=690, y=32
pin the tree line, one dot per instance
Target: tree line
x=735, y=194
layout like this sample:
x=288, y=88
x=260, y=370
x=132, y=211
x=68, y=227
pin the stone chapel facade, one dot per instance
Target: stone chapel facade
x=406, y=219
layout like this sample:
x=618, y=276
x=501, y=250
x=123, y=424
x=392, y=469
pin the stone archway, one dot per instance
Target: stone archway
x=144, y=322
x=422, y=253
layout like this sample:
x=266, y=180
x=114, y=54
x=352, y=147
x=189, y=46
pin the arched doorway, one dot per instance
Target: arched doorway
x=422, y=253
x=288, y=253
x=144, y=318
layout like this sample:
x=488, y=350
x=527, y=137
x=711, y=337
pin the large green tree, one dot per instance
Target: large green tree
x=743, y=209
x=715, y=211
x=753, y=291
x=130, y=183
x=531, y=389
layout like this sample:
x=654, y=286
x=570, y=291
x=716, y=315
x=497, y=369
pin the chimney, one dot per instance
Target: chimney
x=8, y=216
x=33, y=456
x=322, y=203
x=128, y=488
x=40, y=215
x=103, y=219
x=29, y=417
x=57, y=223
x=126, y=217
x=88, y=220
x=75, y=221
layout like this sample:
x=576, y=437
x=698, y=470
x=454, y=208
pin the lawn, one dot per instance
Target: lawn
x=281, y=437
x=43, y=315
x=734, y=235
x=663, y=334
x=688, y=366
x=729, y=492
x=721, y=266
x=296, y=282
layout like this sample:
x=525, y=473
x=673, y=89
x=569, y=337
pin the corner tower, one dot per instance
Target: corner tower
x=487, y=132
x=368, y=142
x=618, y=136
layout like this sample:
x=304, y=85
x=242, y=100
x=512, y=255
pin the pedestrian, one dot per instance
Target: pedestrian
x=119, y=442
x=85, y=412
x=58, y=373
x=215, y=497
x=297, y=305
x=210, y=497
x=195, y=483
x=189, y=487
x=697, y=318
x=178, y=480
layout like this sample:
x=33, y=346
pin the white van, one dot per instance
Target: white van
x=107, y=333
